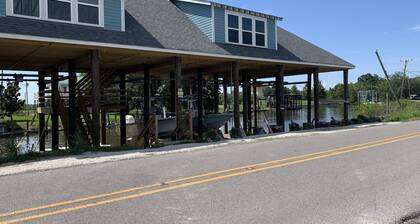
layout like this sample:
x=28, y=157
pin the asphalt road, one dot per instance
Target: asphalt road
x=369, y=175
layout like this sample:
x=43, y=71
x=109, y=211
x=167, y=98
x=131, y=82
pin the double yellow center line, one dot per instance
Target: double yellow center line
x=137, y=192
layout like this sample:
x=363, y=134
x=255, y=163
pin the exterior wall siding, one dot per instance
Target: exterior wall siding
x=2, y=7
x=219, y=25
x=201, y=15
x=112, y=15
x=271, y=34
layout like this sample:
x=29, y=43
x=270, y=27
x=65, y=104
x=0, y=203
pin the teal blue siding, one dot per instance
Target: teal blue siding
x=200, y=14
x=271, y=33
x=112, y=15
x=219, y=25
x=2, y=7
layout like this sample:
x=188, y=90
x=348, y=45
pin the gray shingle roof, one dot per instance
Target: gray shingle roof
x=160, y=24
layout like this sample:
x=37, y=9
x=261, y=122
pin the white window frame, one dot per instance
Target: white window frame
x=253, y=18
x=43, y=12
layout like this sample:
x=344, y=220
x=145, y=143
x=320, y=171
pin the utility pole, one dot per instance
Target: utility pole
x=394, y=95
x=403, y=79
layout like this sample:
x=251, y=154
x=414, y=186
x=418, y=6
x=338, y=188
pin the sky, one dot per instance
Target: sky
x=352, y=30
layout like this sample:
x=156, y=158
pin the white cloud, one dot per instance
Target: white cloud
x=416, y=28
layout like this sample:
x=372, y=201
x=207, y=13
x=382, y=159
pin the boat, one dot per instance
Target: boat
x=213, y=121
x=166, y=126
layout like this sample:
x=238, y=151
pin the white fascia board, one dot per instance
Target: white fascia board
x=160, y=50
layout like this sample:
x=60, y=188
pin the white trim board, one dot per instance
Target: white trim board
x=161, y=50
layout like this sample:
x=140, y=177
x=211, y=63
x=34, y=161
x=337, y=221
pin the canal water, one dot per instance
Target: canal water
x=31, y=142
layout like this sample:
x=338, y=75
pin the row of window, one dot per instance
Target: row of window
x=77, y=11
x=246, y=30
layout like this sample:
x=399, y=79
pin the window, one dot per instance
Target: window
x=88, y=12
x=233, y=29
x=260, y=33
x=246, y=30
x=26, y=7
x=59, y=9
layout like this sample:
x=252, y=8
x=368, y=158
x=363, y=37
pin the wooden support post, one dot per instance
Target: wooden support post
x=309, y=98
x=200, y=103
x=249, y=106
x=255, y=106
x=172, y=106
x=346, y=96
x=55, y=95
x=216, y=93
x=72, y=104
x=316, y=96
x=280, y=97
x=245, y=100
x=147, y=104
x=236, y=112
x=123, y=110
x=96, y=96
x=41, y=116
x=225, y=101
x=103, y=127
x=178, y=86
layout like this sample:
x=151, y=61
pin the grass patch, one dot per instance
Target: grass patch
x=410, y=110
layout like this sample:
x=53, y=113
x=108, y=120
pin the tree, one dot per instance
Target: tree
x=294, y=90
x=9, y=100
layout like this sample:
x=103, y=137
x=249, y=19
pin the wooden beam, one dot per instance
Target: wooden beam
x=123, y=111
x=255, y=106
x=96, y=96
x=216, y=93
x=346, y=95
x=235, y=74
x=200, y=103
x=280, y=97
x=178, y=87
x=316, y=96
x=309, y=98
x=245, y=101
x=41, y=116
x=55, y=115
x=225, y=100
x=147, y=104
x=72, y=104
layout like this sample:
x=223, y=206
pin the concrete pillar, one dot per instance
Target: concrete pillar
x=200, y=103
x=72, y=122
x=309, y=98
x=316, y=96
x=55, y=97
x=96, y=97
x=147, y=104
x=41, y=116
x=346, y=95
x=280, y=96
x=123, y=110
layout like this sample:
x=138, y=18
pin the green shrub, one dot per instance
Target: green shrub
x=370, y=110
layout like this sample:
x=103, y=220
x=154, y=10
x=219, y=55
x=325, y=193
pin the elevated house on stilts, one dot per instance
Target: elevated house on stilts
x=158, y=39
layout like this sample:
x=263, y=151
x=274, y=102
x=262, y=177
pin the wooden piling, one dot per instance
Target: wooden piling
x=123, y=110
x=200, y=103
x=55, y=97
x=316, y=96
x=280, y=97
x=41, y=104
x=72, y=104
x=346, y=95
x=96, y=97
x=147, y=104
x=236, y=112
